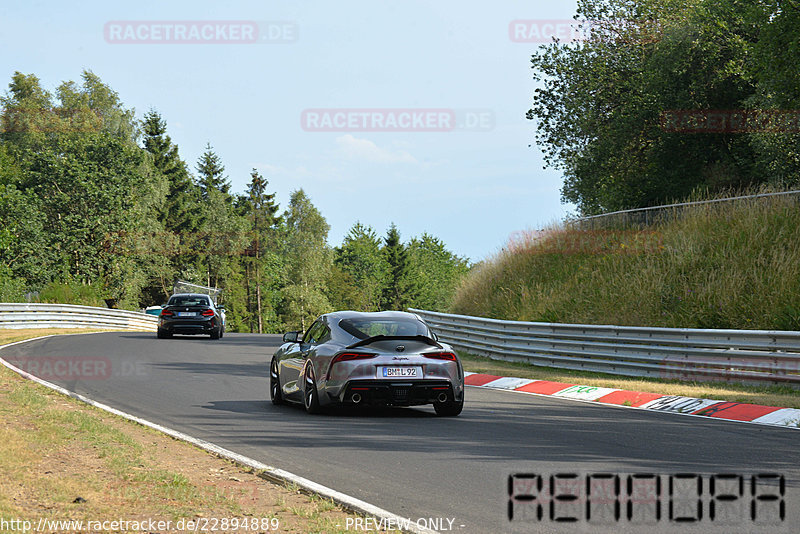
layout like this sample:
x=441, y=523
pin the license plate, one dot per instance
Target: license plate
x=187, y=314
x=400, y=372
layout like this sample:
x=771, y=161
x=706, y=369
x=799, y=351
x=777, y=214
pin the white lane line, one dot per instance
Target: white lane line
x=273, y=473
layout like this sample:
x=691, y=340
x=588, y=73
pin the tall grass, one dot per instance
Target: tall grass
x=727, y=265
x=73, y=293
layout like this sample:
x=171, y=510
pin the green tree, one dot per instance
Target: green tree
x=181, y=212
x=88, y=213
x=21, y=233
x=25, y=252
x=28, y=117
x=600, y=103
x=262, y=251
x=774, y=67
x=89, y=188
x=94, y=106
x=223, y=233
x=32, y=117
x=211, y=174
x=437, y=272
x=308, y=259
x=361, y=269
x=79, y=178
x=342, y=292
x=399, y=289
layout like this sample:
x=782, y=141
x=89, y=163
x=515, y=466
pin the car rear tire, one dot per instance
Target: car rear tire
x=275, y=392
x=310, y=396
x=216, y=334
x=449, y=408
x=160, y=334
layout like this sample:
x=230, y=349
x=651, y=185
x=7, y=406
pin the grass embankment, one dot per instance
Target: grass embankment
x=62, y=460
x=726, y=265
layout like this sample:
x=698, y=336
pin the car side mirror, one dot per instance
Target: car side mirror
x=291, y=337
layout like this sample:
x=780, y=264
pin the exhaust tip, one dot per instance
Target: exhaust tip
x=356, y=398
x=442, y=397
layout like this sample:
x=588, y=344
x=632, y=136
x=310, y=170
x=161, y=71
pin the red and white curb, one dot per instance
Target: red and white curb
x=268, y=472
x=729, y=411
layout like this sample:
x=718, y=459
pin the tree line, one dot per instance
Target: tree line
x=96, y=204
x=606, y=107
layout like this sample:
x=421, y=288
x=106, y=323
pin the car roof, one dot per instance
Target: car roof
x=192, y=295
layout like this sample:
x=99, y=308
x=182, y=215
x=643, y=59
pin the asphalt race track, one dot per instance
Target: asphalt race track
x=408, y=461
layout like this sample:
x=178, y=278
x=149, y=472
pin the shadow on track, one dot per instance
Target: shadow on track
x=260, y=406
x=268, y=341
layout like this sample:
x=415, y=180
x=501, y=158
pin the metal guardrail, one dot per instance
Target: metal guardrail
x=32, y=315
x=749, y=356
x=656, y=214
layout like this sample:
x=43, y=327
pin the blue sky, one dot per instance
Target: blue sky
x=470, y=187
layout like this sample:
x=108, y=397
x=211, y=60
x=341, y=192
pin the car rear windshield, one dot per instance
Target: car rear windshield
x=188, y=301
x=365, y=328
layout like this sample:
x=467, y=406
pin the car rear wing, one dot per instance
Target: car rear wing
x=375, y=339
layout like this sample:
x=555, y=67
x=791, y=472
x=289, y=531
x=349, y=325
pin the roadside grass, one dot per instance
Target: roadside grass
x=781, y=396
x=62, y=459
x=12, y=335
x=328, y=527
x=727, y=265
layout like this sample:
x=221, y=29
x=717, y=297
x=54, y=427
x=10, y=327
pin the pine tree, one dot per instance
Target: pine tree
x=211, y=174
x=362, y=261
x=308, y=261
x=262, y=212
x=180, y=212
x=395, y=295
x=223, y=229
x=262, y=204
x=436, y=272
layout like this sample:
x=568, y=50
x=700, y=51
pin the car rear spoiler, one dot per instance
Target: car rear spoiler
x=375, y=339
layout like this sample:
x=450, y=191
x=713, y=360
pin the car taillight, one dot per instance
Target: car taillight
x=441, y=356
x=207, y=313
x=348, y=357
x=167, y=313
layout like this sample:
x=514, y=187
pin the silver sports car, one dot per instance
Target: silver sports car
x=380, y=358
